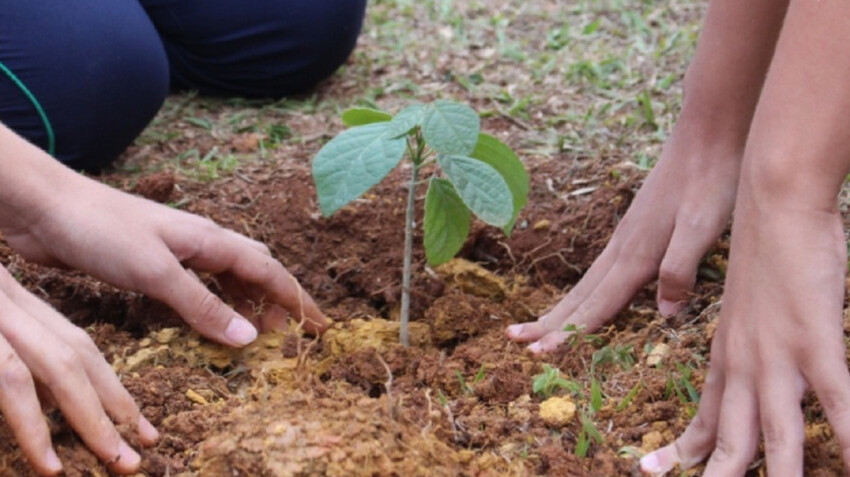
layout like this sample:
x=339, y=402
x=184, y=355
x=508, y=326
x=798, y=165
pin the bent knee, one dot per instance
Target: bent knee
x=88, y=89
x=274, y=50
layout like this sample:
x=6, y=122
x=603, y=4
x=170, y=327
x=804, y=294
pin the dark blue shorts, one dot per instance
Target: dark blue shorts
x=82, y=78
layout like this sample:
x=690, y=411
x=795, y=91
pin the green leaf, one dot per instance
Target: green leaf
x=502, y=158
x=362, y=116
x=480, y=187
x=351, y=163
x=589, y=427
x=446, y=222
x=582, y=444
x=595, y=396
x=450, y=128
x=407, y=119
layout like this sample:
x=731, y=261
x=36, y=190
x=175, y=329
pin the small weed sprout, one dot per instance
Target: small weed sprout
x=476, y=173
x=550, y=381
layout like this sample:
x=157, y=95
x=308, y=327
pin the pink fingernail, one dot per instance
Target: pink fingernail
x=147, y=431
x=240, y=331
x=650, y=463
x=127, y=457
x=669, y=308
x=535, y=347
x=514, y=331
x=52, y=461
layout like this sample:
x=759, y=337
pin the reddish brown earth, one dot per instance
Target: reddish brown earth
x=356, y=403
x=459, y=401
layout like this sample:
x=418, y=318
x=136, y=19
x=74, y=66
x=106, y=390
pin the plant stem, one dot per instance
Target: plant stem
x=404, y=333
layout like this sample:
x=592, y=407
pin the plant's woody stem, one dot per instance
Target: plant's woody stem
x=404, y=334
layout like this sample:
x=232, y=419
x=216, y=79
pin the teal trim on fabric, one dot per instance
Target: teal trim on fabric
x=51, y=138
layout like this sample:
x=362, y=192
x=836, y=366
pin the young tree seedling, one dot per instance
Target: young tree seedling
x=474, y=174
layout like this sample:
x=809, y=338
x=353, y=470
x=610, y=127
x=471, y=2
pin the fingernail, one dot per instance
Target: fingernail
x=52, y=461
x=514, y=331
x=146, y=430
x=127, y=457
x=650, y=463
x=669, y=308
x=240, y=331
x=535, y=347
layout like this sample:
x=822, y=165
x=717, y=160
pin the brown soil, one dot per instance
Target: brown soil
x=458, y=402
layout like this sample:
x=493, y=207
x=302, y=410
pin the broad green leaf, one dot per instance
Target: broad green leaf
x=502, y=158
x=351, y=163
x=446, y=222
x=407, y=119
x=481, y=187
x=451, y=128
x=362, y=116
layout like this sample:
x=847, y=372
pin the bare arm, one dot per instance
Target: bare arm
x=780, y=330
x=687, y=200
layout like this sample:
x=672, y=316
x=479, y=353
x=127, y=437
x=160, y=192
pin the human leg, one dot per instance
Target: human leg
x=82, y=79
x=686, y=201
x=258, y=48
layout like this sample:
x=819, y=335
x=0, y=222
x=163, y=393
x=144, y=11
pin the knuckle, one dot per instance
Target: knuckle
x=156, y=272
x=65, y=362
x=700, y=426
x=673, y=273
x=778, y=438
x=208, y=310
x=725, y=451
x=14, y=374
x=82, y=342
x=835, y=403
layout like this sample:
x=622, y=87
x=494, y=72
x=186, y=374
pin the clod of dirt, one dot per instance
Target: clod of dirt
x=350, y=336
x=473, y=278
x=519, y=409
x=557, y=411
x=459, y=316
x=651, y=441
x=299, y=434
x=657, y=355
x=156, y=187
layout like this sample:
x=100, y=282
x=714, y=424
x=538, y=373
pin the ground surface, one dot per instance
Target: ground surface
x=586, y=92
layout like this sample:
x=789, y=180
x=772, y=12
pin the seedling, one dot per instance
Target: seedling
x=550, y=381
x=475, y=173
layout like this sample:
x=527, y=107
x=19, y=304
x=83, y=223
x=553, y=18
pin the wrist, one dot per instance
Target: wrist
x=29, y=182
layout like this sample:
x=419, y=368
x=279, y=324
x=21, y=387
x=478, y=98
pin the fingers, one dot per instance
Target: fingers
x=117, y=402
x=57, y=365
x=202, y=309
x=678, y=270
x=556, y=319
x=20, y=406
x=738, y=429
x=830, y=380
x=609, y=297
x=223, y=253
x=697, y=442
x=782, y=421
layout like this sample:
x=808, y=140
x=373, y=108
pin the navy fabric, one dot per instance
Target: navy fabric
x=102, y=68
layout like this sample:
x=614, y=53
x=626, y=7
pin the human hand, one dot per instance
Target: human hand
x=780, y=331
x=140, y=245
x=39, y=347
x=683, y=206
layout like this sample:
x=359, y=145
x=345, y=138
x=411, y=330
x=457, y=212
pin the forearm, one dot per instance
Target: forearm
x=724, y=79
x=798, y=153
x=28, y=177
